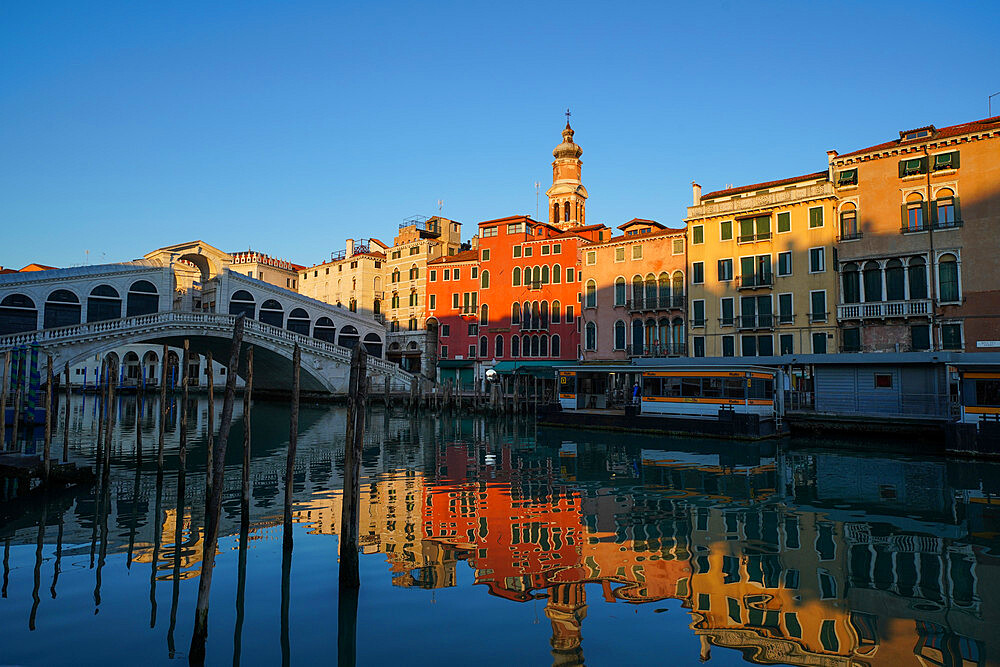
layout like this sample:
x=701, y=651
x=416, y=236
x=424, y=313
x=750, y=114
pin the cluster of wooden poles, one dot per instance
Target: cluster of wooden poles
x=514, y=395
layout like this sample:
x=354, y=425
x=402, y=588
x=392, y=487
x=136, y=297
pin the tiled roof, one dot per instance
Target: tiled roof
x=641, y=221
x=464, y=256
x=941, y=133
x=763, y=186
x=667, y=231
x=509, y=218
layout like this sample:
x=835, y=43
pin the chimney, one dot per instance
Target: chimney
x=350, y=247
x=830, y=157
x=696, y=193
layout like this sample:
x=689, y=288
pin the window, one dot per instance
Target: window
x=755, y=271
x=556, y=250
x=489, y=231
x=444, y=351
x=946, y=161
x=619, y=254
x=729, y=346
x=486, y=253
x=785, y=263
x=484, y=315
x=433, y=303
x=951, y=336
x=591, y=336
x=817, y=302
x=637, y=252
x=755, y=312
x=498, y=347
x=699, y=346
x=434, y=276
x=591, y=291
x=698, y=234
x=620, y=335
x=484, y=280
x=413, y=298
x=883, y=380
x=849, y=223
x=784, y=222
x=786, y=344
x=454, y=300
x=785, y=313
x=556, y=312
x=819, y=343
x=912, y=167
x=569, y=314
x=678, y=247
x=698, y=272
x=527, y=251
x=726, y=230
x=828, y=629
x=914, y=214
x=591, y=258
x=455, y=274
x=755, y=229
x=727, y=310
x=546, y=249
x=515, y=228
x=847, y=177
x=948, y=278
x=517, y=251
x=569, y=274
x=725, y=270
x=815, y=217
x=920, y=337
x=475, y=271
x=817, y=260
x=852, y=339
x=698, y=313
x=946, y=211
x=619, y=291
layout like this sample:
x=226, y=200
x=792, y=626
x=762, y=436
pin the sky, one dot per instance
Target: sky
x=287, y=127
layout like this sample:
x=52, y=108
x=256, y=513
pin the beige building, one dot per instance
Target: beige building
x=761, y=275
x=351, y=279
x=264, y=267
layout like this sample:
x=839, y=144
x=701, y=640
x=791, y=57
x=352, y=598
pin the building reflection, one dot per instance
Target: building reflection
x=806, y=559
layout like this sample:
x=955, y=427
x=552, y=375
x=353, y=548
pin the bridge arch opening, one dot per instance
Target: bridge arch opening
x=272, y=313
x=325, y=330
x=349, y=337
x=142, y=299
x=173, y=366
x=242, y=303
x=104, y=303
x=203, y=265
x=133, y=369
x=17, y=314
x=373, y=345
x=62, y=309
x=150, y=361
x=298, y=321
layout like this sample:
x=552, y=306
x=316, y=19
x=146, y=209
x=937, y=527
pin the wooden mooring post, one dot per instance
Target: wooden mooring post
x=213, y=503
x=3, y=400
x=245, y=485
x=357, y=399
x=211, y=427
x=69, y=396
x=163, y=408
x=47, y=447
x=293, y=440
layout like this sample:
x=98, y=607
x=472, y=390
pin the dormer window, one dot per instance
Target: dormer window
x=918, y=133
x=847, y=177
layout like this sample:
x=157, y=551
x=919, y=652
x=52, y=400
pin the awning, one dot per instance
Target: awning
x=456, y=363
x=539, y=369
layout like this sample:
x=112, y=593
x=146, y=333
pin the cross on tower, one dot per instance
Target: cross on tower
x=568, y=114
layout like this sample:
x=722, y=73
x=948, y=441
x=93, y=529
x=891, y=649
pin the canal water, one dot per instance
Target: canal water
x=496, y=542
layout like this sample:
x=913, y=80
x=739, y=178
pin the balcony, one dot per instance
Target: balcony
x=657, y=351
x=755, y=322
x=643, y=304
x=755, y=281
x=880, y=310
x=751, y=238
x=534, y=285
x=428, y=226
x=850, y=236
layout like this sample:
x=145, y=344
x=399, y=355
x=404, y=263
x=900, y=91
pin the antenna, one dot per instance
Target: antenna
x=989, y=104
x=537, y=185
x=440, y=204
x=568, y=114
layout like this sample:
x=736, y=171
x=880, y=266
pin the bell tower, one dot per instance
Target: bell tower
x=567, y=196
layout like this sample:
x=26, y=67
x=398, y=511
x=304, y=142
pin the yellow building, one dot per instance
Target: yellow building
x=264, y=267
x=761, y=273
x=352, y=278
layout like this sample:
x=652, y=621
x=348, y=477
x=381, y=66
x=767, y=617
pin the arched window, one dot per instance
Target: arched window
x=352, y=305
x=948, y=277
x=498, y=347
x=526, y=315
x=620, y=291
x=663, y=283
x=536, y=316
x=677, y=336
x=636, y=336
x=873, y=281
x=677, y=291
x=484, y=347
x=324, y=330
x=17, y=314
x=515, y=346
x=348, y=336
x=373, y=344
x=515, y=313
x=414, y=272
x=395, y=275
x=591, y=298
x=242, y=303
x=946, y=211
x=566, y=212
x=555, y=212
x=376, y=306
x=537, y=277
x=556, y=274
x=414, y=298
x=142, y=299
x=543, y=312
x=525, y=345
x=590, y=339
x=272, y=313
x=543, y=346
x=556, y=314
x=517, y=276
x=131, y=366
x=637, y=291
x=914, y=213
x=852, y=283
x=394, y=301
x=663, y=334
x=484, y=315
x=849, y=222
x=545, y=274
x=895, y=280
x=650, y=291
x=555, y=345
x=620, y=334
x=298, y=321
x=104, y=303
x=534, y=346
x=917, y=270
x=484, y=279
x=62, y=309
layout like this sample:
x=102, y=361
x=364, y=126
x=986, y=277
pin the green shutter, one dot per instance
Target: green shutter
x=784, y=221
x=954, y=159
x=924, y=219
x=904, y=221
x=958, y=211
x=902, y=168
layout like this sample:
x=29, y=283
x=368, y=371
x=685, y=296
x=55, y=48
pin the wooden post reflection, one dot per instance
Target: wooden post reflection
x=35, y=597
x=58, y=564
x=241, y=581
x=157, y=532
x=347, y=626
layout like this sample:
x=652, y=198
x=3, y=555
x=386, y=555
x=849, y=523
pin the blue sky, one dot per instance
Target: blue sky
x=288, y=127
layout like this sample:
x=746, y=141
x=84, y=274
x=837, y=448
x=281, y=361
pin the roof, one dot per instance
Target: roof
x=641, y=221
x=938, y=134
x=666, y=231
x=464, y=256
x=765, y=185
x=38, y=267
x=509, y=218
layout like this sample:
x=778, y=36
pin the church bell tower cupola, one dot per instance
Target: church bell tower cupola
x=567, y=196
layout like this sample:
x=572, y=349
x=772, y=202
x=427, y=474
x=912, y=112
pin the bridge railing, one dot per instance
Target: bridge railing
x=221, y=321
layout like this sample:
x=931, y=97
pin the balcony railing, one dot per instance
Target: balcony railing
x=877, y=310
x=850, y=236
x=533, y=284
x=750, y=238
x=755, y=281
x=657, y=350
x=664, y=302
x=422, y=223
x=760, y=321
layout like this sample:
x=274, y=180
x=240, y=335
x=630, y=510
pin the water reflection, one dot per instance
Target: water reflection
x=799, y=554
